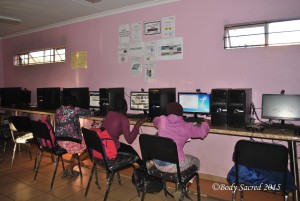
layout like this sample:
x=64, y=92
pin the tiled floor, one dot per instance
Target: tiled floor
x=18, y=184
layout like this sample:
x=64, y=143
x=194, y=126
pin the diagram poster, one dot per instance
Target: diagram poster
x=168, y=27
x=136, y=31
x=123, y=53
x=136, y=49
x=136, y=65
x=150, y=51
x=149, y=70
x=124, y=33
x=169, y=49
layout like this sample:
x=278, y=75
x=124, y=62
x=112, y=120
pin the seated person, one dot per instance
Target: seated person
x=173, y=126
x=68, y=133
x=117, y=124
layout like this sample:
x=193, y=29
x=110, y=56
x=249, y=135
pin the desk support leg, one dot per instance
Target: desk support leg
x=294, y=167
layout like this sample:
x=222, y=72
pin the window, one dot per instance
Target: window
x=53, y=55
x=263, y=34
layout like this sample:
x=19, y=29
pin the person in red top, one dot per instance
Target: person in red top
x=117, y=124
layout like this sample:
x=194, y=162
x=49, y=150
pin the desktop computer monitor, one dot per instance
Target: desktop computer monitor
x=108, y=98
x=280, y=107
x=11, y=97
x=194, y=103
x=139, y=100
x=158, y=100
x=48, y=98
x=94, y=99
x=81, y=95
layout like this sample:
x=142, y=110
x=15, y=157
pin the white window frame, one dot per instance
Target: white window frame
x=235, y=37
x=45, y=56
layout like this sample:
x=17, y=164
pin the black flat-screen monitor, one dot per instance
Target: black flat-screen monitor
x=11, y=97
x=94, y=99
x=80, y=95
x=194, y=103
x=48, y=98
x=280, y=107
x=139, y=100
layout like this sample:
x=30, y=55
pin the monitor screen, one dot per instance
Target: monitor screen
x=194, y=102
x=94, y=99
x=11, y=97
x=81, y=95
x=280, y=107
x=139, y=101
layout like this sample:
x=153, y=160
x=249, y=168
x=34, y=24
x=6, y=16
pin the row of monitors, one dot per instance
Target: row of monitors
x=274, y=106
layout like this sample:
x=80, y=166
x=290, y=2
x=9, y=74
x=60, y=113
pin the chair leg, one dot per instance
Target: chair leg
x=198, y=187
x=119, y=178
x=38, y=158
x=110, y=179
x=241, y=195
x=29, y=150
x=54, y=173
x=35, y=160
x=90, y=179
x=4, y=149
x=96, y=180
x=234, y=193
x=79, y=165
x=13, y=156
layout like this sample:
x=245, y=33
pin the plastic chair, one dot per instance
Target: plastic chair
x=165, y=149
x=20, y=127
x=122, y=161
x=41, y=132
x=263, y=156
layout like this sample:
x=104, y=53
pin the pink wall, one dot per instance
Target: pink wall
x=206, y=64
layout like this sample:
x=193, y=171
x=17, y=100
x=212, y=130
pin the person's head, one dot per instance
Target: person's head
x=121, y=106
x=70, y=101
x=174, y=108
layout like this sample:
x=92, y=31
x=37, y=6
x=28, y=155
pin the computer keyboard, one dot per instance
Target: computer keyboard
x=136, y=116
x=193, y=119
x=280, y=126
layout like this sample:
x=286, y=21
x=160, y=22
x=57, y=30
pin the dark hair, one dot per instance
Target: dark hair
x=174, y=108
x=70, y=101
x=120, y=105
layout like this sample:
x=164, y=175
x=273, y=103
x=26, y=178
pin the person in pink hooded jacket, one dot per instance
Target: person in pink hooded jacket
x=173, y=126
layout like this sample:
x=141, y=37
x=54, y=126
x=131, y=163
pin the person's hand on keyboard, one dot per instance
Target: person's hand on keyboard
x=141, y=121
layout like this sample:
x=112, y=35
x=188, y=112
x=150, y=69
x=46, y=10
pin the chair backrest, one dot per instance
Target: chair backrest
x=262, y=155
x=41, y=131
x=21, y=123
x=161, y=148
x=93, y=142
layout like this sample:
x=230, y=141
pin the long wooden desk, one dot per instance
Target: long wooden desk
x=288, y=136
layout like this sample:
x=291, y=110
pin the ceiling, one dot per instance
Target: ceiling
x=30, y=15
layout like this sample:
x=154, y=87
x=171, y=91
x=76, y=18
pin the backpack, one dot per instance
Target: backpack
x=108, y=144
x=47, y=143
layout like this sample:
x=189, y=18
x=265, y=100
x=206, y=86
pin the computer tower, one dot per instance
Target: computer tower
x=239, y=107
x=1, y=96
x=108, y=98
x=48, y=98
x=219, y=107
x=158, y=99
